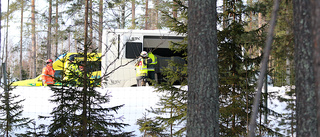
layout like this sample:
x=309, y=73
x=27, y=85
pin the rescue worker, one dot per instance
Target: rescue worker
x=152, y=66
x=48, y=74
x=142, y=68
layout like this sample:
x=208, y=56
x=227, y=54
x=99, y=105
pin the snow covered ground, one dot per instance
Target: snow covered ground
x=136, y=100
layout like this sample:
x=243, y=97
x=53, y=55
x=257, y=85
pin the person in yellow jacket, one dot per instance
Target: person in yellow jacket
x=48, y=74
x=142, y=68
x=152, y=66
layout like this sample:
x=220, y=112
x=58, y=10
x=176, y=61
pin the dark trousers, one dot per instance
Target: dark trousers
x=141, y=81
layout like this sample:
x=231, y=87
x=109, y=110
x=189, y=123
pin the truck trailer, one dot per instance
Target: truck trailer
x=122, y=48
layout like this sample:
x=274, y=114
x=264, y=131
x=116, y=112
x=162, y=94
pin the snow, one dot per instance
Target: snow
x=279, y=107
x=135, y=99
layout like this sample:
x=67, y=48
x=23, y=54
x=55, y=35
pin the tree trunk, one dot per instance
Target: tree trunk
x=174, y=10
x=123, y=14
x=57, y=26
x=49, y=31
x=100, y=24
x=146, y=16
x=316, y=53
x=91, y=28
x=157, y=15
x=304, y=81
x=224, y=20
x=133, y=12
x=21, y=30
x=203, y=94
x=6, y=57
x=33, y=33
x=0, y=35
x=84, y=105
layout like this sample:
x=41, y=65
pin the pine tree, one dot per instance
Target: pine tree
x=67, y=117
x=173, y=102
x=11, y=112
x=239, y=59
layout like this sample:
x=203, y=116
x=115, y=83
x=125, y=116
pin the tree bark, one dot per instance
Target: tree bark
x=123, y=14
x=224, y=20
x=203, y=94
x=146, y=16
x=49, y=31
x=57, y=26
x=84, y=103
x=0, y=34
x=33, y=33
x=316, y=53
x=133, y=12
x=174, y=10
x=304, y=81
x=92, y=46
x=100, y=24
x=21, y=30
x=7, y=32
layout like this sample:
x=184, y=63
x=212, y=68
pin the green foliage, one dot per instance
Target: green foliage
x=173, y=102
x=80, y=105
x=238, y=65
x=177, y=24
x=151, y=127
x=239, y=56
x=240, y=44
x=283, y=50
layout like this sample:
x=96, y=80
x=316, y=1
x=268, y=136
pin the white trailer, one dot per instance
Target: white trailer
x=122, y=47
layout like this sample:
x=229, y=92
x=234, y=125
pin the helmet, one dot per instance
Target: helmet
x=71, y=58
x=144, y=54
x=49, y=60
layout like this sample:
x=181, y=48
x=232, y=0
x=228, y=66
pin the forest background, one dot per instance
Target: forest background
x=56, y=28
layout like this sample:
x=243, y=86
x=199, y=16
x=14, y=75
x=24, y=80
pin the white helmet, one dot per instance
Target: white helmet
x=144, y=54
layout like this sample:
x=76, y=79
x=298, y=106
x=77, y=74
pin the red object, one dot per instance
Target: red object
x=49, y=60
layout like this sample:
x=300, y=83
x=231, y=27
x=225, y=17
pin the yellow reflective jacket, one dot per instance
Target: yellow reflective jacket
x=151, y=66
x=142, y=66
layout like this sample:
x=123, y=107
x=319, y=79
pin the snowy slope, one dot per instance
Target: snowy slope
x=136, y=100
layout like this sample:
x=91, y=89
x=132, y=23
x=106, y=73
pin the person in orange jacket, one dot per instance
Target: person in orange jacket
x=48, y=73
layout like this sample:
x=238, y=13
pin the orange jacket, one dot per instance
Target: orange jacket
x=47, y=75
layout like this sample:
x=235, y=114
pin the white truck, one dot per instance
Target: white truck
x=122, y=47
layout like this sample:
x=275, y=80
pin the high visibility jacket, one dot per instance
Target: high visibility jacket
x=151, y=66
x=47, y=75
x=142, y=67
